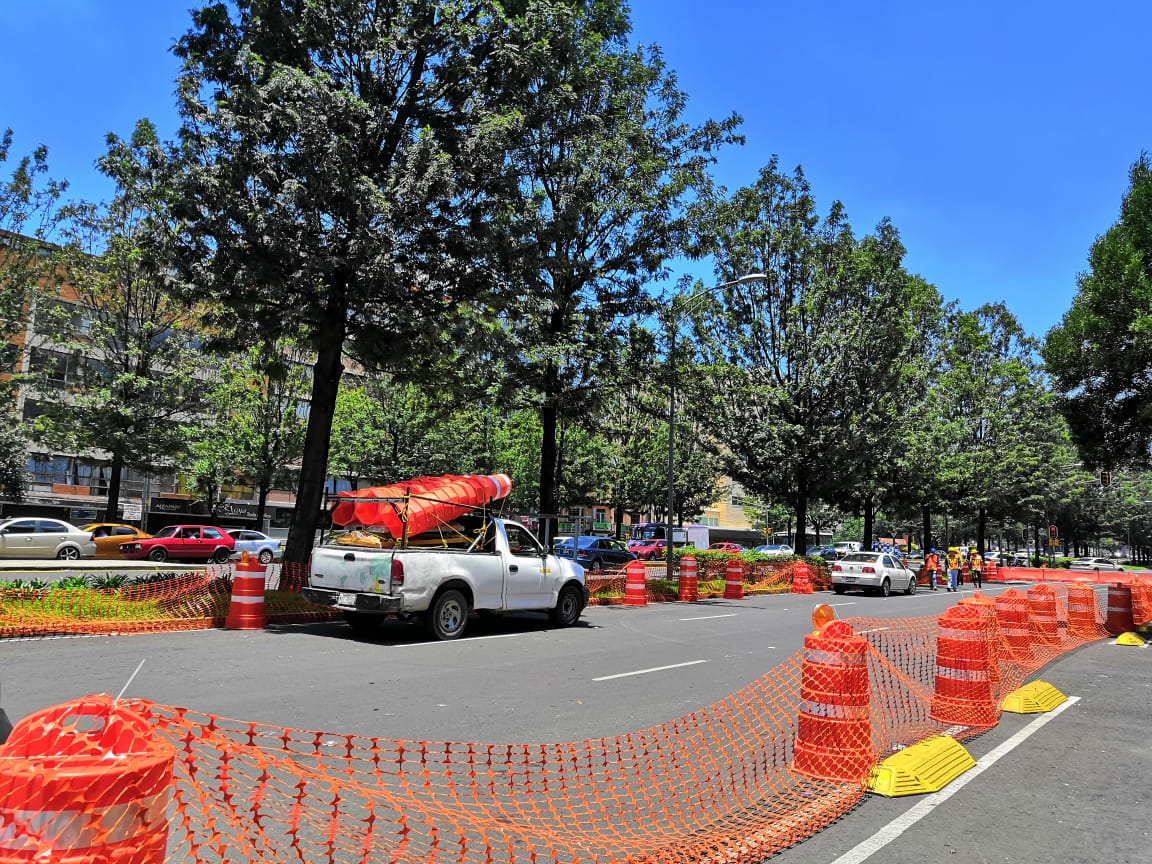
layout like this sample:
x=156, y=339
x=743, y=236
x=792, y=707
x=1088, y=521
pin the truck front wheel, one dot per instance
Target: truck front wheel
x=568, y=607
x=448, y=615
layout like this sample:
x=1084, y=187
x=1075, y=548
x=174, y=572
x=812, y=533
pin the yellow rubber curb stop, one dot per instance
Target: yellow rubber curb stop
x=925, y=767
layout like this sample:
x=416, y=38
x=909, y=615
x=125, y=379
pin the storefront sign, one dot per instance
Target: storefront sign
x=235, y=510
x=169, y=505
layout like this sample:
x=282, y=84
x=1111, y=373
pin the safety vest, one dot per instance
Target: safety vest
x=976, y=562
x=953, y=560
x=932, y=562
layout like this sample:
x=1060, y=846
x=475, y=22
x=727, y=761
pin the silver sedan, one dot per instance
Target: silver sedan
x=37, y=537
x=1096, y=564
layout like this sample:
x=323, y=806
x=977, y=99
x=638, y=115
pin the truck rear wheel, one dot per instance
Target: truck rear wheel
x=448, y=615
x=363, y=624
x=568, y=607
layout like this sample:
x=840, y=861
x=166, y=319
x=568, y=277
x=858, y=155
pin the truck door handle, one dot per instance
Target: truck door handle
x=512, y=568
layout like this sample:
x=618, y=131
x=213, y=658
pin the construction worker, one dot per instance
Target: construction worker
x=952, y=563
x=975, y=566
x=932, y=567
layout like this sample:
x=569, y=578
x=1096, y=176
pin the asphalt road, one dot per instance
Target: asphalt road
x=1073, y=791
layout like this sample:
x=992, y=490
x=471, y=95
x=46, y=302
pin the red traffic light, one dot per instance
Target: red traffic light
x=1053, y=532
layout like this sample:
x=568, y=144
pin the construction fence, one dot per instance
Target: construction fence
x=736, y=781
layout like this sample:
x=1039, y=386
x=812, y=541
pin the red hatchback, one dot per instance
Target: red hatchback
x=183, y=542
x=649, y=550
x=734, y=548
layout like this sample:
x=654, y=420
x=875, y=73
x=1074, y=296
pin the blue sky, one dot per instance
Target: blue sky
x=996, y=136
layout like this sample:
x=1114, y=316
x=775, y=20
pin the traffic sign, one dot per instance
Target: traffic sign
x=131, y=512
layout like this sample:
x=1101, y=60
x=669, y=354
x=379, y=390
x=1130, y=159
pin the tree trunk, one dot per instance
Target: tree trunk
x=317, y=439
x=869, y=517
x=981, y=525
x=548, y=426
x=926, y=515
x=261, y=502
x=112, y=507
x=801, y=543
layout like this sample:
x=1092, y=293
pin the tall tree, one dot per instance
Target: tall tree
x=1100, y=354
x=122, y=359
x=802, y=368
x=344, y=165
x=605, y=167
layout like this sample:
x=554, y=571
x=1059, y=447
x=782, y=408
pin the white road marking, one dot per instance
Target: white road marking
x=838, y=605
x=463, y=641
x=902, y=823
x=646, y=671
x=709, y=617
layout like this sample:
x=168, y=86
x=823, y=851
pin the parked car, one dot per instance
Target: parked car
x=826, y=551
x=110, y=536
x=778, y=549
x=734, y=548
x=44, y=538
x=255, y=543
x=595, y=553
x=847, y=545
x=1096, y=564
x=183, y=542
x=649, y=550
x=872, y=571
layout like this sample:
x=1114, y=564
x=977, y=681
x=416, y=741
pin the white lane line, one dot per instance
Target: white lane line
x=710, y=617
x=838, y=605
x=646, y=671
x=902, y=823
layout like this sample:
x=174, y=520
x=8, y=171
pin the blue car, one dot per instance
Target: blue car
x=256, y=544
x=596, y=553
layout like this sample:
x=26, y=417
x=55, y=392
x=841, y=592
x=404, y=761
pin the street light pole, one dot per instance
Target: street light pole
x=673, y=326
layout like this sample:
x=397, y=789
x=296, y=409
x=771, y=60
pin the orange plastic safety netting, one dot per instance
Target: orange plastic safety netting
x=167, y=601
x=733, y=782
x=609, y=587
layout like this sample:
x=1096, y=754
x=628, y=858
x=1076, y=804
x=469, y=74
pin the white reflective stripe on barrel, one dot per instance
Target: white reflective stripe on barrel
x=838, y=712
x=81, y=829
x=961, y=674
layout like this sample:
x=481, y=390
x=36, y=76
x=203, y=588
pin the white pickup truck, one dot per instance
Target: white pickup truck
x=483, y=564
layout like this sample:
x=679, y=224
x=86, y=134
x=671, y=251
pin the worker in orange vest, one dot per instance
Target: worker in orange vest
x=952, y=563
x=932, y=567
x=975, y=566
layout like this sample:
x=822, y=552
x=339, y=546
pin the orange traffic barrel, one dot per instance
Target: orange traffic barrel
x=734, y=581
x=689, y=584
x=1141, y=601
x=991, y=570
x=1082, y=612
x=963, y=693
x=1014, y=616
x=246, y=610
x=635, y=584
x=86, y=781
x=1045, y=624
x=1119, y=616
x=996, y=645
x=834, y=733
x=801, y=580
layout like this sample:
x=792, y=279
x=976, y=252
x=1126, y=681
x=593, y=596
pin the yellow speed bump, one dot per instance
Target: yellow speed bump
x=922, y=768
x=1129, y=639
x=1034, y=698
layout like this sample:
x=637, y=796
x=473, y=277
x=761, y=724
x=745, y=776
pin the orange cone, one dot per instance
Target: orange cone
x=834, y=733
x=963, y=693
x=801, y=581
x=1045, y=626
x=689, y=586
x=1119, y=618
x=86, y=781
x=246, y=611
x=734, y=581
x=635, y=584
x=1082, y=612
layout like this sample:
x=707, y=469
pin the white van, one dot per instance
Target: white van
x=846, y=546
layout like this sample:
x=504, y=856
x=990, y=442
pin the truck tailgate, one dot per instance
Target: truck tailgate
x=351, y=569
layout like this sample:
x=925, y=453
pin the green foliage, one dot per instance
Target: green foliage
x=28, y=215
x=1100, y=355
x=136, y=383
x=802, y=368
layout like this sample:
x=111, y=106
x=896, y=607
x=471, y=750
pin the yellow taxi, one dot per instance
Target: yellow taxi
x=109, y=535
